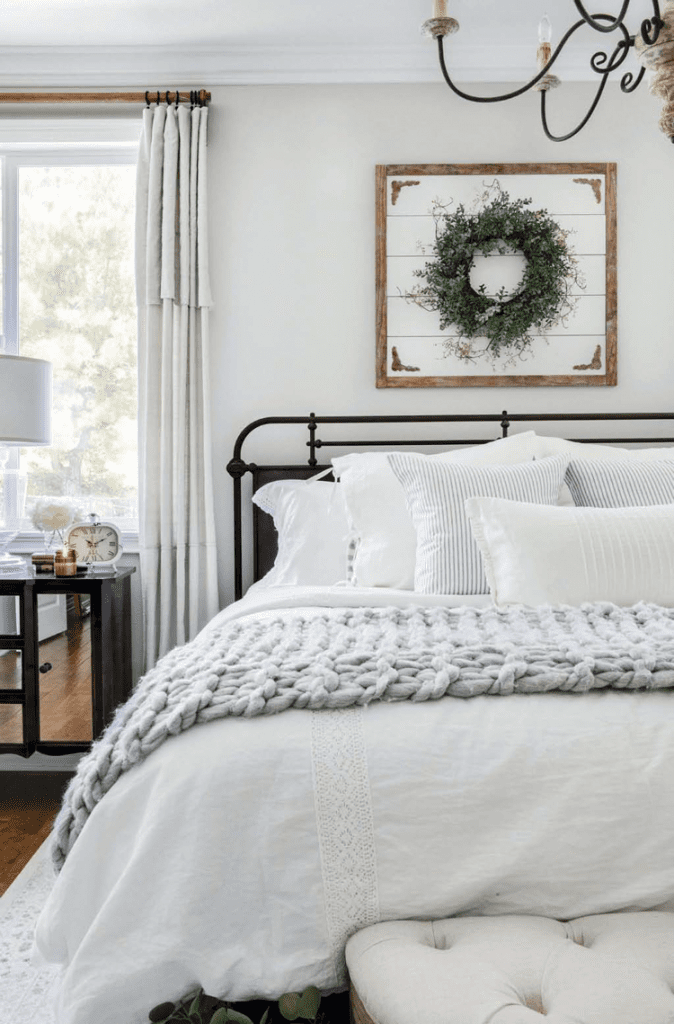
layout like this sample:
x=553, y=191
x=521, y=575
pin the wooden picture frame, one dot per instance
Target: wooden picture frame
x=581, y=352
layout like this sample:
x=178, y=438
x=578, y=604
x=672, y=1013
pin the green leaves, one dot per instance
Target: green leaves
x=293, y=1004
x=225, y=1014
x=202, y=1009
x=507, y=322
x=196, y=1002
x=288, y=1004
x=220, y=1016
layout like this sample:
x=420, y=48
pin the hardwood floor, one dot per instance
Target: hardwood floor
x=30, y=800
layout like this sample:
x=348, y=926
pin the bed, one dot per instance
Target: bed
x=240, y=854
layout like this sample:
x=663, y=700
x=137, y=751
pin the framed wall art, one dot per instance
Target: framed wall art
x=496, y=275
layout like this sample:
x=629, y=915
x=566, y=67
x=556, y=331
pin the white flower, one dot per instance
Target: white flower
x=52, y=514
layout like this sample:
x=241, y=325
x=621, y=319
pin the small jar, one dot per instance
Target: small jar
x=65, y=562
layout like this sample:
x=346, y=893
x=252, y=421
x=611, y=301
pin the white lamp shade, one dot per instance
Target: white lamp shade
x=25, y=401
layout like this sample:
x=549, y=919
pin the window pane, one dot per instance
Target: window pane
x=77, y=309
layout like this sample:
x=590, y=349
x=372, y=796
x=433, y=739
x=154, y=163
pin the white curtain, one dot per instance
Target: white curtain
x=177, y=529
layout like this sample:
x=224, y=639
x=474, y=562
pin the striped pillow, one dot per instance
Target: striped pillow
x=448, y=560
x=621, y=483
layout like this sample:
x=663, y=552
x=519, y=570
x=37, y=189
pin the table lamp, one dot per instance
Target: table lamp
x=25, y=419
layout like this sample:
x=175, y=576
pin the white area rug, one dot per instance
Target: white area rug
x=27, y=993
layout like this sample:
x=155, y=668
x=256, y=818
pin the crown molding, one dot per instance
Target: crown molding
x=45, y=67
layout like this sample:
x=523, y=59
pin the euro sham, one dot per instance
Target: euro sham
x=314, y=535
x=621, y=483
x=577, y=450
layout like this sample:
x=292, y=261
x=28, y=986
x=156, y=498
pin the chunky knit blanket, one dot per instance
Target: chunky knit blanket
x=339, y=657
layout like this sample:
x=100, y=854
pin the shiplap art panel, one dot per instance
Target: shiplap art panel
x=581, y=350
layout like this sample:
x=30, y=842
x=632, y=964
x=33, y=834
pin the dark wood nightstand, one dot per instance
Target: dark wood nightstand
x=110, y=640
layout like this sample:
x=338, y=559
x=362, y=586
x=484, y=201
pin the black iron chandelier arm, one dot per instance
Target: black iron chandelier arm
x=598, y=61
x=650, y=27
x=516, y=92
x=603, y=65
x=612, y=23
x=655, y=23
x=581, y=125
x=626, y=80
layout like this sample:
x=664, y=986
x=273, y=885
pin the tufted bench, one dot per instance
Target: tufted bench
x=605, y=969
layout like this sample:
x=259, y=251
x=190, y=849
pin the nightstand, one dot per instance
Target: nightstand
x=109, y=638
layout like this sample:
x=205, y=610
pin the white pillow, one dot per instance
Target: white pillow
x=313, y=532
x=378, y=513
x=620, y=483
x=578, y=450
x=447, y=557
x=535, y=554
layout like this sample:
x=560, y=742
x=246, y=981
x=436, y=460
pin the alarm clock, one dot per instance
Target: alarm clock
x=97, y=543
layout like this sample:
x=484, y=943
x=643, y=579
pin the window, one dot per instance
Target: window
x=68, y=296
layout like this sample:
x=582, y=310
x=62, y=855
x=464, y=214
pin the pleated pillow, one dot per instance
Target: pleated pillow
x=535, y=555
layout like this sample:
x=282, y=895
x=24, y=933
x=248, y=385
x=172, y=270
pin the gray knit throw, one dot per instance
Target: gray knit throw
x=338, y=657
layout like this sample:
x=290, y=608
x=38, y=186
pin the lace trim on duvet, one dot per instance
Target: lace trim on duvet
x=345, y=827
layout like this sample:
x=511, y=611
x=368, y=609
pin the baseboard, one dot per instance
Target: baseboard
x=39, y=762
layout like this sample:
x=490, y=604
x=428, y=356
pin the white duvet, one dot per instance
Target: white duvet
x=241, y=854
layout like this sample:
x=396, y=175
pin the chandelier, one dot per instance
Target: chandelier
x=653, y=45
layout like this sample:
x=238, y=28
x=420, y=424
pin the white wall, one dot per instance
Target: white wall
x=292, y=248
x=292, y=256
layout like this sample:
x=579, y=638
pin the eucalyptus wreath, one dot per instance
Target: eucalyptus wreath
x=509, y=322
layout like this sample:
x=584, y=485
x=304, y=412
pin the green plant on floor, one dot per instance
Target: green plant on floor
x=204, y=1009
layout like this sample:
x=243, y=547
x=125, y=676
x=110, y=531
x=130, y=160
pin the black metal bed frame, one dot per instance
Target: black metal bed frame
x=264, y=537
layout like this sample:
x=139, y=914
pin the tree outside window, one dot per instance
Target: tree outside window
x=76, y=308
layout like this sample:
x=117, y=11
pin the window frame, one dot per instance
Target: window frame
x=120, y=147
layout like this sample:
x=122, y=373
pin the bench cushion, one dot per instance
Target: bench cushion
x=604, y=969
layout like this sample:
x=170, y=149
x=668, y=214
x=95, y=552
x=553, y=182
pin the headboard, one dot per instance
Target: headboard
x=264, y=534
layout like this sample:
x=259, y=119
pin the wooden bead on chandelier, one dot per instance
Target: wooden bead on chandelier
x=653, y=45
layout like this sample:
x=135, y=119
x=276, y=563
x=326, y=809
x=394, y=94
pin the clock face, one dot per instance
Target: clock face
x=97, y=542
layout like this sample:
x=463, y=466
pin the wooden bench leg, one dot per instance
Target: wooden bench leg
x=359, y=1014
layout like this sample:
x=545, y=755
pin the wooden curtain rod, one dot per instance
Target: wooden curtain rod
x=100, y=97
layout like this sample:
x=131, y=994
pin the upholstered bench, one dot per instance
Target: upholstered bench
x=605, y=969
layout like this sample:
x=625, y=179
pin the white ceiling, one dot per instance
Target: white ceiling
x=209, y=42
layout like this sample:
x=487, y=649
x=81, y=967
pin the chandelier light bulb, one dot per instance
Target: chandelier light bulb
x=545, y=30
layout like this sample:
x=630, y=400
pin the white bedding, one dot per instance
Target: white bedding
x=241, y=853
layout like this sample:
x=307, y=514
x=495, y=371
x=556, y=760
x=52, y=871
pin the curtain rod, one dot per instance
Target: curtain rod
x=202, y=97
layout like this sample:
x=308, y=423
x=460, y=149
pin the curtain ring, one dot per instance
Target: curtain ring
x=147, y=99
x=158, y=97
x=167, y=98
x=177, y=98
